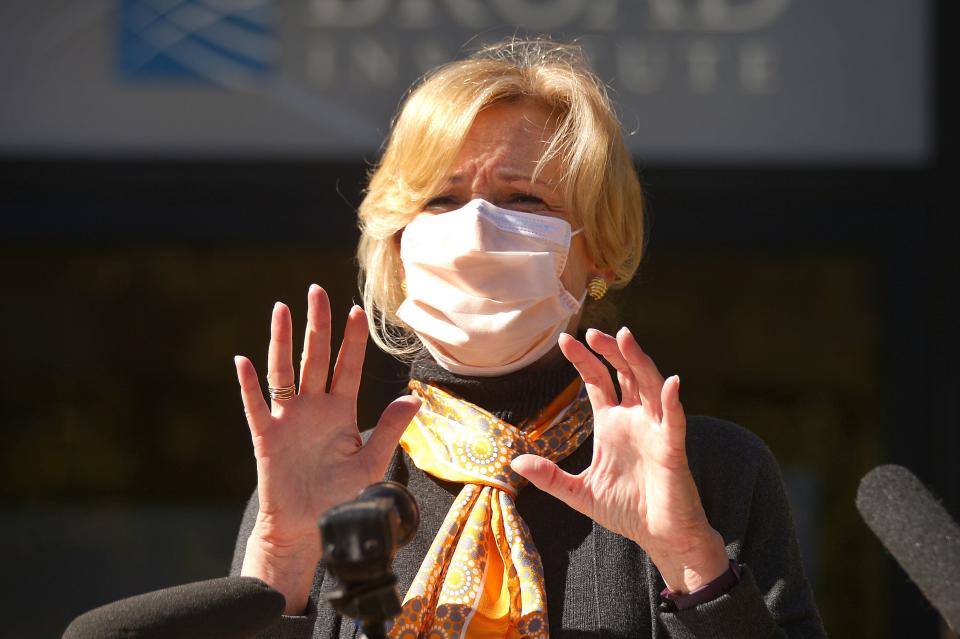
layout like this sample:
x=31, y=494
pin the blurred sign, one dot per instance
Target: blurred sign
x=695, y=80
x=233, y=41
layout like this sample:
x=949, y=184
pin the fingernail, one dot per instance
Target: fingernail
x=277, y=305
x=313, y=287
x=677, y=377
x=236, y=360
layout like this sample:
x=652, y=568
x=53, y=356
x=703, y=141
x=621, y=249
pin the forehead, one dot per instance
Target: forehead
x=510, y=136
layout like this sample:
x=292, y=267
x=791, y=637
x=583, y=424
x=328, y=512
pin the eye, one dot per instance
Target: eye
x=440, y=203
x=528, y=201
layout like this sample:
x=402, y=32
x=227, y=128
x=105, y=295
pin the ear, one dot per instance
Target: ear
x=596, y=270
x=606, y=273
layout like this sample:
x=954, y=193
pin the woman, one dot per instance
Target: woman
x=504, y=199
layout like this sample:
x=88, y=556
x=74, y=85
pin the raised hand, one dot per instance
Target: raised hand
x=639, y=484
x=308, y=449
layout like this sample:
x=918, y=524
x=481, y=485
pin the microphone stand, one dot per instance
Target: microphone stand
x=360, y=539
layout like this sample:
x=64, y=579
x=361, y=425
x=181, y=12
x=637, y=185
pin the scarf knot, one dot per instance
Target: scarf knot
x=482, y=576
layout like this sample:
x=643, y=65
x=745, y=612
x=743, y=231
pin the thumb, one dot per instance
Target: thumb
x=549, y=478
x=393, y=421
x=674, y=421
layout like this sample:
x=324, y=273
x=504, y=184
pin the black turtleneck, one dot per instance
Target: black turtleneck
x=514, y=397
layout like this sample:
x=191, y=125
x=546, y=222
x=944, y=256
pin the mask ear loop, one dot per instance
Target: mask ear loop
x=590, y=285
x=566, y=256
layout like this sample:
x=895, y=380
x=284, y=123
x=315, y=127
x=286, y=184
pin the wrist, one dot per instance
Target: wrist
x=285, y=537
x=286, y=564
x=280, y=547
x=695, y=566
x=675, y=602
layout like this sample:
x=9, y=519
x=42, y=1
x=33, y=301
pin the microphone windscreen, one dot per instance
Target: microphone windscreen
x=228, y=607
x=917, y=531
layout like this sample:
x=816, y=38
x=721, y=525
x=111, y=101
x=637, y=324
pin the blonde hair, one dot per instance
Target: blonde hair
x=599, y=185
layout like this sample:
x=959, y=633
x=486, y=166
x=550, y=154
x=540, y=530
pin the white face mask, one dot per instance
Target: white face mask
x=483, y=286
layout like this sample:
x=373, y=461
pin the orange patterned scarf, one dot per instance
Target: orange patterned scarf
x=482, y=576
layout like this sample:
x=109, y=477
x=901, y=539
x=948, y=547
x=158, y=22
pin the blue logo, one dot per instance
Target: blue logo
x=231, y=43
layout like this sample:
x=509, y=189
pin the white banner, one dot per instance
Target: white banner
x=694, y=80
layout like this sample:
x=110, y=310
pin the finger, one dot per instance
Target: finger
x=607, y=346
x=255, y=408
x=674, y=420
x=346, y=372
x=595, y=376
x=648, y=378
x=280, y=353
x=393, y=421
x=315, y=361
x=551, y=479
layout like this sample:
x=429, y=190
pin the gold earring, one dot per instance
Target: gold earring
x=403, y=287
x=597, y=288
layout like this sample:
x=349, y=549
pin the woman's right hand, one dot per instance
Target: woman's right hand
x=309, y=453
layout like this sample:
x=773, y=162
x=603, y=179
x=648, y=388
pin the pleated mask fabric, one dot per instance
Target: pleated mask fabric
x=483, y=288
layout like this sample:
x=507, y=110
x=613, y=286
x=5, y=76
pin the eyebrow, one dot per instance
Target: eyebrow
x=506, y=175
x=516, y=176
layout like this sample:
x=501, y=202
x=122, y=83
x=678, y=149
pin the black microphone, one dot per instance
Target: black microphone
x=228, y=608
x=360, y=539
x=918, y=532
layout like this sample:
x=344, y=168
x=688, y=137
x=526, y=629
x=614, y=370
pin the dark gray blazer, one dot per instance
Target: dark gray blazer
x=600, y=584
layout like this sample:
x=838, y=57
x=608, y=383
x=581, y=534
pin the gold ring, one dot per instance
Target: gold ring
x=282, y=393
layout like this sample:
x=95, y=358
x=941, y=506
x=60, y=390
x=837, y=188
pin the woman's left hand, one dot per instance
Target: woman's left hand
x=639, y=484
